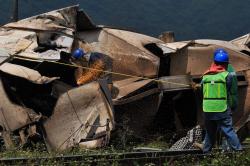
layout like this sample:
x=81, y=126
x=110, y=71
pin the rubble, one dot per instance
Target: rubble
x=40, y=99
x=81, y=114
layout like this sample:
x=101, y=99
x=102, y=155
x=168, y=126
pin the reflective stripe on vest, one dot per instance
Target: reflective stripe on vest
x=215, y=92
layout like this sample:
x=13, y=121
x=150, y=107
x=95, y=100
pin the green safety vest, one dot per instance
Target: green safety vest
x=215, y=92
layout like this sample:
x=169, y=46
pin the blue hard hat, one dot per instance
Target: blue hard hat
x=78, y=53
x=221, y=55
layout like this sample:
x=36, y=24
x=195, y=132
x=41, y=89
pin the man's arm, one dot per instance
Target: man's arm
x=229, y=80
x=91, y=74
x=232, y=89
x=196, y=86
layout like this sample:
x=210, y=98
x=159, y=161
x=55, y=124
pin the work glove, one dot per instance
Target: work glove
x=195, y=86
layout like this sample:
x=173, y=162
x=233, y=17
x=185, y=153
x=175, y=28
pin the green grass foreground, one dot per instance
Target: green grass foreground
x=217, y=158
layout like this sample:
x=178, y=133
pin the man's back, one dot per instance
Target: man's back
x=227, y=112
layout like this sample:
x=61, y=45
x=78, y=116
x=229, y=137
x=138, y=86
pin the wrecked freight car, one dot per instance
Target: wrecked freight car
x=68, y=115
x=194, y=57
x=51, y=108
x=152, y=79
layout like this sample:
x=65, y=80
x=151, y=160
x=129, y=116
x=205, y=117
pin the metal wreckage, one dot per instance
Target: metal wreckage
x=153, y=77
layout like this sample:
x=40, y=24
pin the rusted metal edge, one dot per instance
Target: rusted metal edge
x=137, y=97
x=57, y=31
x=57, y=10
x=177, y=89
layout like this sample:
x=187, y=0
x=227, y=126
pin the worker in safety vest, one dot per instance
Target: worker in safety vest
x=97, y=63
x=216, y=87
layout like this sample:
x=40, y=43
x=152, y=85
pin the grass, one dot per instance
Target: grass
x=218, y=158
x=221, y=159
x=159, y=142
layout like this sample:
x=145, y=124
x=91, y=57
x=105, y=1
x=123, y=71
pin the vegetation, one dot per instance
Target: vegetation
x=216, y=158
x=230, y=159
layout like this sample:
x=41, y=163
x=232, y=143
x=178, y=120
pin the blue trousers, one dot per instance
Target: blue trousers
x=225, y=125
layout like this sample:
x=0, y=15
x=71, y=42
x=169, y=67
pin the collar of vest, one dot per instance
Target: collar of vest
x=214, y=69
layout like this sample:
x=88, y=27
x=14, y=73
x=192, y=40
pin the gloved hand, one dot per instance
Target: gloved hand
x=195, y=86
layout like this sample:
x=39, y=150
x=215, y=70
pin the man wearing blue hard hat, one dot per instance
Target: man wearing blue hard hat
x=100, y=66
x=217, y=106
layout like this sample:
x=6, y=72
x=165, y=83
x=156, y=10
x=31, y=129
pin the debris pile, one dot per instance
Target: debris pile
x=40, y=98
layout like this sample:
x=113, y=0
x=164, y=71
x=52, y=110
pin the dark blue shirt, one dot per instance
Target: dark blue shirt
x=228, y=112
